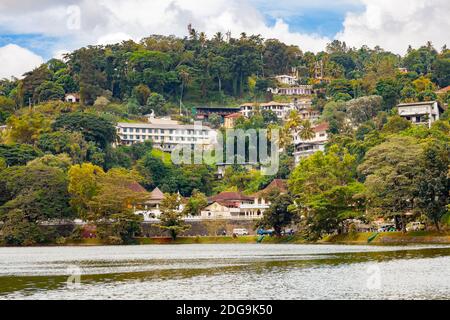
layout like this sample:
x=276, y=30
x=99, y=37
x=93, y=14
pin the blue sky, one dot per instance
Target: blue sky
x=32, y=32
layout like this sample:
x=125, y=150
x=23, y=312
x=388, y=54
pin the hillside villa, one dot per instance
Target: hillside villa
x=165, y=134
x=287, y=80
x=306, y=148
x=421, y=113
x=236, y=206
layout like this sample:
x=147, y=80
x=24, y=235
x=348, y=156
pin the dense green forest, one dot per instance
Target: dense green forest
x=57, y=159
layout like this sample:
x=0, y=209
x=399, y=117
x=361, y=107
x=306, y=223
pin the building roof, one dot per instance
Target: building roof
x=157, y=194
x=444, y=90
x=136, y=187
x=76, y=95
x=277, y=184
x=161, y=126
x=266, y=104
x=226, y=197
x=412, y=104
x=322, y=127
x=236, y=115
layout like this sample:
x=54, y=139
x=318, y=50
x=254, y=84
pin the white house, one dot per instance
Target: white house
x=303, y=90
x=165, y=134
x=421, y=113
x=306, y=148
x=287, y=80
x=282, y=110
x=72, y=97
x=233, y=206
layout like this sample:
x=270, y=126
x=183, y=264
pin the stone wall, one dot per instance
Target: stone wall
x=203, y=228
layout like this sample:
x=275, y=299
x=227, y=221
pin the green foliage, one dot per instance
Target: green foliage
x=92, y=127
x=172, y=216
x=18, y=154
x=326, y=191
x=278, y=216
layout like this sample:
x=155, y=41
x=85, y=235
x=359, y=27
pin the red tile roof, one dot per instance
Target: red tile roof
x=234, y=116
x=136, y=187
x=277, y=184
x=322, y=127
x=230, y=196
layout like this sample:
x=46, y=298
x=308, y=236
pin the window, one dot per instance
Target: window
x=131, y=130
x=138, y=130
x=125, y=130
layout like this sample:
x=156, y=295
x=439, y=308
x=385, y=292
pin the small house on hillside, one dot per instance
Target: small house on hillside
x=72, y=98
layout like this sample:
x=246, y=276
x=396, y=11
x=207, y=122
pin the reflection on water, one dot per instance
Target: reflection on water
x=227, y=272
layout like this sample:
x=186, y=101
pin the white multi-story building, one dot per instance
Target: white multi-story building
x=282, y=110
x=287, y=80
x=303, y=90
x=165, y=134
x=421, y=113
x=306, y=148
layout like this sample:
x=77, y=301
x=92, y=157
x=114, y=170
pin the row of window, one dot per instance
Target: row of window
x=162, y=131
x=138, y=137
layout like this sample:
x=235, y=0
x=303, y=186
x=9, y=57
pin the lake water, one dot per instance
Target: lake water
x=202, y=272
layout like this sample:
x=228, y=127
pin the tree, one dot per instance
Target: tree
x=38, y=190
x=364, y=109
x=171, y=216
x=49, y=90
x=278, y=216
x=215, y=120
x=389, y=90
x=18, y=154
x=326, y=191
x=93, y=128
x=390, y=170
x=196, y=203
x=433, y=182
x=155, y=102
x=27, y=128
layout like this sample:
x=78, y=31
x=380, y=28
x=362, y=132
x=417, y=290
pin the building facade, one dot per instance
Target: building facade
x=306, y=148
x=304, y=90
x=287, y=80
x=421, y=113
x=165, y=134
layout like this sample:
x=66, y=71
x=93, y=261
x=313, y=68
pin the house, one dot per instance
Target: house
x=421, y=113
x=165, y=134
x=287, y=80
x=230, y=120
x=281, y=109
x=303, y=90
x=306, y=148
x=203, y=112
x=443, y=90
x=72, y=98
x=233, y=206
x=151, y=209
x=277, y=185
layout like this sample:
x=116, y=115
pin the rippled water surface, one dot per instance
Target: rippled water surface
x=227, y=272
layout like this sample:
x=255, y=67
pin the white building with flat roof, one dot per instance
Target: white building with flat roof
x=306, y=148
x=165, y=134
x=302, y=90
x=421, y=113
x=287, y=80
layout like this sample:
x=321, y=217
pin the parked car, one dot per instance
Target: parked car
x=241, y=232
x=415, y=226
x=387, y=228
x=262, y=232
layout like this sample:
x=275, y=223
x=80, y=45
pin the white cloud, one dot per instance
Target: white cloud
x=391, y=24
x=15, y=61
x=394, y=25
x=107, y=21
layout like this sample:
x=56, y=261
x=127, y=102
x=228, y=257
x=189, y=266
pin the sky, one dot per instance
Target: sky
x=32, y=32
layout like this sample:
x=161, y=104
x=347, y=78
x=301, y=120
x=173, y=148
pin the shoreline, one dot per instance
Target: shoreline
x=392, y=238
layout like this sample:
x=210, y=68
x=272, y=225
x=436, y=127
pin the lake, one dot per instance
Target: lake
x=227, y=272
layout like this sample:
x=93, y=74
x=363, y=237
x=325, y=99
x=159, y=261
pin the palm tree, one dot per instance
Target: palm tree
x=306, y=132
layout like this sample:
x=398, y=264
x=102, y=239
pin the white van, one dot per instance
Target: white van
x=240, y=232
